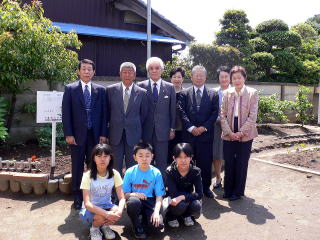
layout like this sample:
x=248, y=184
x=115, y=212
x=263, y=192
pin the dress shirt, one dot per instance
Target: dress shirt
x=237, y=102
x=158, y=84
x=83, y=84
x=124, y=90
x=195, y=91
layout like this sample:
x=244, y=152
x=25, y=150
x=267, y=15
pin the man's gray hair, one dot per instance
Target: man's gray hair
x=128, y=65
x=199, y=67
x=154, y=60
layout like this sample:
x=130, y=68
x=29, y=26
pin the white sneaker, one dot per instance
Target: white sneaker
x=107, y=232
x=188, y=221
x=95, y=233
x=173, y=223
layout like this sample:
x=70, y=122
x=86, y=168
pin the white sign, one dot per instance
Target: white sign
x=49, y=106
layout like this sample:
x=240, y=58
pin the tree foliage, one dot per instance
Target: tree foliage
x=213, y=56
x=184, y=62
x=32, y=48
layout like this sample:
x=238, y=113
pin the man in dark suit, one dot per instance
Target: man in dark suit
x=160, y=124
x=127, y=110
x=199, y=108
x=84, y=121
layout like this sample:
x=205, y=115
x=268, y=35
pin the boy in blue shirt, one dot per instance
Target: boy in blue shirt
x=143, y=187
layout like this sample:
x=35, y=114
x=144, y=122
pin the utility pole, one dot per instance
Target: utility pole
x=149, y=29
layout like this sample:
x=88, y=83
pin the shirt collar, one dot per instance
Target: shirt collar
x=157, y=82
x=201, y=88
x=83, y=84
x=241, y=91
x=124, y=87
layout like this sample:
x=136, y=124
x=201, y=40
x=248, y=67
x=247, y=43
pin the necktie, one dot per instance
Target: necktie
x=155, y=93
x=198, y=99
x=87, y=101
x=126, y=99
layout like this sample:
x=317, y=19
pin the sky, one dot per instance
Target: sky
x=200, y=18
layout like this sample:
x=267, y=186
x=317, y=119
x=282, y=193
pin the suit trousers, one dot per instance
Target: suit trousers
x=137, y=207
x=203, y=159
x=160, y=149
x=236, y=155
x=184, y=209
x=80, y=154
x=123, y=150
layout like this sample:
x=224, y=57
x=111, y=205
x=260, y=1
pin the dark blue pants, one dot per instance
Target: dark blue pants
x=184, y=209
x=145, y=208
x=236, y=155
x=79, y=156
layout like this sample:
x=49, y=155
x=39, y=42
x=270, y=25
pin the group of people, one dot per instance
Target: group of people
x=166, y=136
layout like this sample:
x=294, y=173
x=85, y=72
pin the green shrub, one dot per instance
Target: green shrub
x=3, y=113
x=259, y=45
x=272, y=25
x=282, y=39
x=285, y=61
x=302, y=106
x=44, y=135
x=272, y=109
x=176, y=61
x=263, y=60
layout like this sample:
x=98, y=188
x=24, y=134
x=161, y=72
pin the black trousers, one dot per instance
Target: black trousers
x=184, y=209
x=144, y=208
x=236, y=155
x=79, y=156
x=203, y=159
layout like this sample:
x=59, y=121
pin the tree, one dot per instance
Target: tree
x=32, y=48
x=213, y=56
x=315, y=22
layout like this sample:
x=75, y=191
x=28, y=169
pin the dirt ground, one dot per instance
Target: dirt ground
x=279, y=204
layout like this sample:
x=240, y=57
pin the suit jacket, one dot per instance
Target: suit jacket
x=161, y=115
x=247, y=117
x=206, y=116
x=74, y=116
x=132, y=120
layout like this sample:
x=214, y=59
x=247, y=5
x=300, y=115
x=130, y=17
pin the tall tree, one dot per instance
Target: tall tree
x=32, y=48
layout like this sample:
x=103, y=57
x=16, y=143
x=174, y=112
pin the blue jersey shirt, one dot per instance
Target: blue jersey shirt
x=149, y=182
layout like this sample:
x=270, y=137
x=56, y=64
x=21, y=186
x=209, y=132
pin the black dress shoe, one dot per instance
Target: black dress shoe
x=139, y=233
x=234, y=197
x=226, y=196
x=208, y=193
x=218, y=185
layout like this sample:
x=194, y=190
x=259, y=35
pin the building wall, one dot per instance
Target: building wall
x=24, y=125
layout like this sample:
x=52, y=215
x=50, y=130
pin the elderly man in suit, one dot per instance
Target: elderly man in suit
x=127, y=110
x=199, y=107
x=84, y=121
x=160, y=124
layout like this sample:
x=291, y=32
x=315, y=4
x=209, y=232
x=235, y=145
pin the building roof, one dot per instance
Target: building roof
x=114, y=33
x=140, y=8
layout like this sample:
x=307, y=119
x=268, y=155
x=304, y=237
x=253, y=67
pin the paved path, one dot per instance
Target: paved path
x=280, y=204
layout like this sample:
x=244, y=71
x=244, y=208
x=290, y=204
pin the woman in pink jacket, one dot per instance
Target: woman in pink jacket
x=238, y=121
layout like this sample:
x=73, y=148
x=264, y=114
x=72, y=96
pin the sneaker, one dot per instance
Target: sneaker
x=188, y=221
x=107, y=232
x=95, y=233
x=173, y=223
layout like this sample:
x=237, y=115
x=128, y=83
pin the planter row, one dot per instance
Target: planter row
x=38, y=184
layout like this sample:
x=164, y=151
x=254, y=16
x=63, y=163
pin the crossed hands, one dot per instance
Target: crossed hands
x=112, y=216
x=235, y=136
x=70, y=140
x=197, y=131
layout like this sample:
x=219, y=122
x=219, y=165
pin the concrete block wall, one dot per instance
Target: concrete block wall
x=24, y=125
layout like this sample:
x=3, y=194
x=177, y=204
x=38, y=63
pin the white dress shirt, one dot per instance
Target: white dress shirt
x=158, y=84
x=83, y=84
x=124, y=90
x=237, y=102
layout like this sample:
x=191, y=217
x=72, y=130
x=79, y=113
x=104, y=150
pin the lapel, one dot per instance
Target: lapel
x=119, y=95
x=149, y=91
x=205, y=96
x=80, y=93
x=133, y=97
x=94, y=94
x=162, y=92
x=192, y=97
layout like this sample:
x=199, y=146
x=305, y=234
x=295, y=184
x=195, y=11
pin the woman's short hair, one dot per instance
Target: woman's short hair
x=128, y=65
x=182, y=148
x=222, y=69
x=154, y=60
x=177, y=69
x=239, y=69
